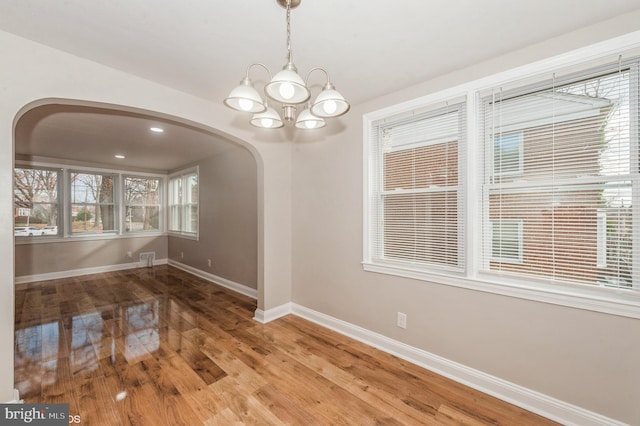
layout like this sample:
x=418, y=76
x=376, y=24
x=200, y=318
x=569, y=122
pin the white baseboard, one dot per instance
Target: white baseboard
x=520, y=396
x=272, y=314
x=85, y=271
x=16, y=398
x=231, y=285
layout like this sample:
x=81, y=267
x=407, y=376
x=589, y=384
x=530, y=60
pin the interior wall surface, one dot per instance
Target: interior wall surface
x=41, y=258
x=34, y=74
x=228, y=225
x=581, y=357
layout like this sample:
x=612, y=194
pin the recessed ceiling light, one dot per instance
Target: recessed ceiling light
x=119, y=156
x=156, y=129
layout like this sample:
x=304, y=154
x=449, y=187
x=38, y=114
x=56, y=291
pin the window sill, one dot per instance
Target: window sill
x=80, y=238
x=619, y=302
x=194, y=237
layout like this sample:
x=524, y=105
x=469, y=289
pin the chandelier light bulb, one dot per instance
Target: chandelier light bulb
x=308, y=121
x=245, y=104
x=287, y=90
x=330, y=107
x=268, y=119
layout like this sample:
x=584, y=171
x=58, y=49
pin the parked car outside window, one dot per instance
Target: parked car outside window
x=26, y=231
x=50, y=230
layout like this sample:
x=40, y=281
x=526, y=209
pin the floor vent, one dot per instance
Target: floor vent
x=147, y=258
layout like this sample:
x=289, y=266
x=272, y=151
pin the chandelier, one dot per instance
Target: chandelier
x=288, y=89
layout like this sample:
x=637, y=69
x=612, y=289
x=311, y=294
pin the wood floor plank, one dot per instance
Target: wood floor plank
x=159, y=346
x=357, y=386
x=284, y=407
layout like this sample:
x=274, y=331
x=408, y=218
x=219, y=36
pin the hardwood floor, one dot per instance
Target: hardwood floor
x=158, y=346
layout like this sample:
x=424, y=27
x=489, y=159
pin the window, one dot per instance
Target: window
x=506, y=242
x=578, y=168
x=93, y=208
x=183, y=203
x=96, y=202
x=507, y=154
x=36, y=201
x=417, y=193
x=142, y=204
x=529, y=187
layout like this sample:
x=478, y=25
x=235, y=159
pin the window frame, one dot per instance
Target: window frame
x=64, y=203
x=58, y=203
x=448, y=120
x=600, y=299
x=180, y=206
x=117, y=181
x=124, y=214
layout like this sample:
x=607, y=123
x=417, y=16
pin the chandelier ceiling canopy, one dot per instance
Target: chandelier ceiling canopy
x=288, y=89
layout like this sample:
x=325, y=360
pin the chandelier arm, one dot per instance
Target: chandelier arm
x=326, y=73
x=258, y=64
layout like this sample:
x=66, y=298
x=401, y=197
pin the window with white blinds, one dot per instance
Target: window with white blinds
x=183, y=203
x=524, y=183
x=416, y=189
x=560, y=179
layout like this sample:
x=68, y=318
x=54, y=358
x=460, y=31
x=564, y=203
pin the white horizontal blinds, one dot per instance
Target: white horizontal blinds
x=561, y=164
x=417, y=192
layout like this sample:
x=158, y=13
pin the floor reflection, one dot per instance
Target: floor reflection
x=36, y=352
x=130, y=323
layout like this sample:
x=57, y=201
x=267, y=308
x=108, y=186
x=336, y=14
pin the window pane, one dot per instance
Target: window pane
x=141, y=191
x=191, y=189
x=183, y=204
x=36, y=201
x=418, y=209
x=142, y=204
x=92, y=208
x=508, y=154
x=571, y=192
x=142, y=218
x=507, y=240
x=422, y=228
x=424, y=167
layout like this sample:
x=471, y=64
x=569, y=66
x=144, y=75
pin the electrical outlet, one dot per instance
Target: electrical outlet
x=129, y=254
x=209, y=262
x=181, y=255
x=402, y=320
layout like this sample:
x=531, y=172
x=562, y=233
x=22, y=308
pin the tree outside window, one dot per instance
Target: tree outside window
x=142, y=204
x=36, y=200
x=92, y=203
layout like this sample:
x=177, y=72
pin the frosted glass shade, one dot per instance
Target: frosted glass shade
x=245, y=98
x=308, y=121
x=287, y=87
x=268, y=119
x=329, y=103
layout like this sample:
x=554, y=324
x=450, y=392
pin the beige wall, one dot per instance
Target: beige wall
x=228, y=219
x=52, y=257
x=581, y=357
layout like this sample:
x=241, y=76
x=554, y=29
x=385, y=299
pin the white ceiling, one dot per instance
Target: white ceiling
x=370, y=47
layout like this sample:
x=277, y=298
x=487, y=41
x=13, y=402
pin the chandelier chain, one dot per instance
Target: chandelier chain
x=290, y=55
